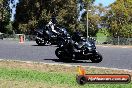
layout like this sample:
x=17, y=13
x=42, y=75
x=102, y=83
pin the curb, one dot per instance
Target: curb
x=116, y=46
x=67, y=65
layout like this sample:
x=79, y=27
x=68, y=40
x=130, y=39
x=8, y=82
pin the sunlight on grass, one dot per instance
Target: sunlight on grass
x=55, y=78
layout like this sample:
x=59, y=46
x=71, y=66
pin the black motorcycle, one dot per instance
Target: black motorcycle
x=84, y=50
x=77, y=36
x=47, y=36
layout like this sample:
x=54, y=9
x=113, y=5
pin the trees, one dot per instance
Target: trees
x=36, y=13
x=93, y=18
x=31, y=14
x=25, y=16
x=119, y=18
x=4, y=16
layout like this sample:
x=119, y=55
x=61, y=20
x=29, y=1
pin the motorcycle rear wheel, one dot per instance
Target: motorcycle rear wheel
x=62, y=55
x=40, y=43
x=96, y=58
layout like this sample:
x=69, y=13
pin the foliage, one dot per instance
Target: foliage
x=4, y=16
x=103, y=32
x=31, y=14
x=38, y=12
x=119, y=18
x=95, y=19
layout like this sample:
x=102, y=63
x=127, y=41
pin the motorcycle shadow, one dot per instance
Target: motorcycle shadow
x=46, y=45
x=73, y=61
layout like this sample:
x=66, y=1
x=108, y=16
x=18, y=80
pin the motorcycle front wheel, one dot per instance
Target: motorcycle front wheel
x=96, y=58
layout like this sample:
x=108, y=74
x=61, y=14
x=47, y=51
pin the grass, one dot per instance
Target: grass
x=30, y=75
x=15, y=74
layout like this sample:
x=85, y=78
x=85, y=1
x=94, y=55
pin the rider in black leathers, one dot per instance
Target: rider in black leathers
x=76, y=36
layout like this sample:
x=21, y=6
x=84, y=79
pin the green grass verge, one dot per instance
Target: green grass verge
x=51, y=78
x=31, y=75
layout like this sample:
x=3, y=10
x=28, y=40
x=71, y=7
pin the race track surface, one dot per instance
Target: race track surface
x=113, y=57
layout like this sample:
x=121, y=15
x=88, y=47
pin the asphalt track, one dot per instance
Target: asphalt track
x=113, y=57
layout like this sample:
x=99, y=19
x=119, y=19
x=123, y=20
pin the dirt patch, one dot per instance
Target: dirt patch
x=60, y=68
x=68, y=69
x=38, y=66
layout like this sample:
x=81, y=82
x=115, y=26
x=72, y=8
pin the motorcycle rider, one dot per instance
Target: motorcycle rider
x=52, y=24
x=76, y=36
x=78, y=42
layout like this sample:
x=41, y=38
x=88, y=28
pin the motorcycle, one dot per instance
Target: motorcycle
x=47, y=36
x=84, y=50
x=77, y=36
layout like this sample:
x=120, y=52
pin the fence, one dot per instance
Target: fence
x=16, y=37
x=99, y=40
x=113, y=41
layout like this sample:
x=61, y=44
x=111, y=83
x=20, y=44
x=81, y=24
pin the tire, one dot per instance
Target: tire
x=81, y=80
x=58, y=53
x=39, y=42
x=96, y=58
x=62, y=55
